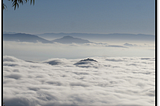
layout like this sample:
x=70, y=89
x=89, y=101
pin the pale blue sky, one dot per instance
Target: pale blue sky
x=82, y=16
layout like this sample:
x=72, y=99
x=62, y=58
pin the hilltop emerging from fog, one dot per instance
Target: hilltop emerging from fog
x=96, y=81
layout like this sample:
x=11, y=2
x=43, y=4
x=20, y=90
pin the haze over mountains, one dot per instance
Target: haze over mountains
x=67, y=38
x=22, y=37
x=70, y=39
x=107, y=37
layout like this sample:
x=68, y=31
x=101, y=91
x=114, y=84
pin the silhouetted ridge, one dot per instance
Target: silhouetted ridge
x=112, y=36
x=86, y=63
x=70, y=39
x=88, y=60
x=22, y=37
x=54, y=62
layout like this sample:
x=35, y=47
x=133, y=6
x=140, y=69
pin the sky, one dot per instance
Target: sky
x=81, y=16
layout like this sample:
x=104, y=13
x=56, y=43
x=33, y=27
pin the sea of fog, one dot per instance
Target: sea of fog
x=40, y=51
x=94, y=81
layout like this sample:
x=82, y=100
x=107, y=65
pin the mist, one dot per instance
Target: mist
x=41, y=51
x=96, y=81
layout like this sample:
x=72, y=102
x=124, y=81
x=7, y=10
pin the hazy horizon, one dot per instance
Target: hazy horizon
x=8, y=32
x=79, y=53
x=97, y=46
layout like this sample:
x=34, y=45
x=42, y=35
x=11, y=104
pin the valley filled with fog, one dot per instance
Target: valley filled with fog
x=33, y=47
x=79, y=52
x=93, y=81
x=77, y=71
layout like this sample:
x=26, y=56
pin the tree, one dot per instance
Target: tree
x=15, y=3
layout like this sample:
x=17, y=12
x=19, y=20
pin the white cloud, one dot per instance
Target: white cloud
x=59, y=82
x=128, y=44
x=40, y=51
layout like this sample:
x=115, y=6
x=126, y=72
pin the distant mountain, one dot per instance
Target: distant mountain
x=103, y=37
x=70, y=39
x=22, y=37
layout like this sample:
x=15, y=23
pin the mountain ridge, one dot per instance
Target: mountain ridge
x=112, y=36
x=22, y=37
x=70, y=39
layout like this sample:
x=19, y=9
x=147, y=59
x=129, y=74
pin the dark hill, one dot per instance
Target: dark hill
x=103, y=37
x=70, y=39
x=86, y=63
x=22, y=37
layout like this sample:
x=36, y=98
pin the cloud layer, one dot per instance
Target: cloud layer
x=77, y=82
x=40, y=51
